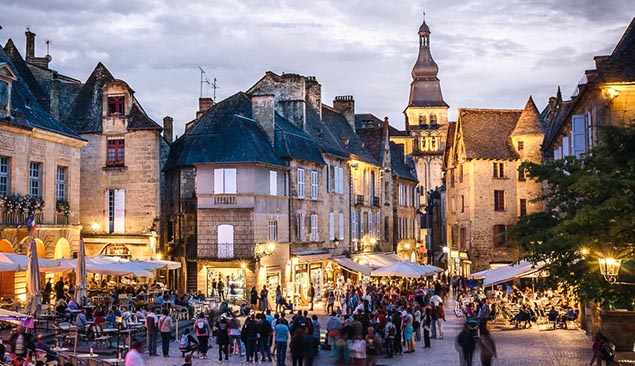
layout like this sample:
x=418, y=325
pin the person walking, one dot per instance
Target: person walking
x=330, y=302
x=596, y=357
x=372, y=347
x=235, y=336
x=391, y=331
x=298, y=347
x=264, y=335
x=466, y=346
x=427, y=323
x=134, y=357
x=311, y=295
x=264, y=300
x=165, y=328
x=250, y=337
x=222, y=337
x=487, y=346
x=281, y=332
x=358, y=352
x=151, y=331
x=440, y=320
x=202, y=334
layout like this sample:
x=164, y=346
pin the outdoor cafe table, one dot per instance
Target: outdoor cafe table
x=114, y=361
x=59, y=349
x=87, y=355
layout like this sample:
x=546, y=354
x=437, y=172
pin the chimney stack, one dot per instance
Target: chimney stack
x=168, y=129
x=262, y=110
x=203, y=105
x=30, y=43
x=345, y=104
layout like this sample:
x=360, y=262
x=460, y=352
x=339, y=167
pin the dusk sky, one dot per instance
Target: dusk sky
x=491, y=54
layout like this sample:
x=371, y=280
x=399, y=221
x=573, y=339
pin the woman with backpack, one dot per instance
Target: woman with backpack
x=222, y=337
x=202, y=333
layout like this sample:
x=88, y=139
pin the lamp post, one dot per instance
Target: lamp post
x=610, y=269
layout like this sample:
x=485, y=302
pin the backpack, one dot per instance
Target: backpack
x=608, y=351
x=392, y=331
x=200, y=327
x=183, y=341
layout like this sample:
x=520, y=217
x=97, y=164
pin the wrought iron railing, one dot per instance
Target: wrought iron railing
x=19, y=218
x=359, y=199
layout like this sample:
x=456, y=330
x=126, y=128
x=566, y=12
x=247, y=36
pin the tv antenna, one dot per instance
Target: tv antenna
x=204, y=80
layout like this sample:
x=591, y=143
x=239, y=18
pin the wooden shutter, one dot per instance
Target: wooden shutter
x=107, y=210
x=578, y=135
x=120, y=210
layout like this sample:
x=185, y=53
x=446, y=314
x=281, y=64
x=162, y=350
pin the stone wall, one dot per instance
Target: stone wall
x=619, y=327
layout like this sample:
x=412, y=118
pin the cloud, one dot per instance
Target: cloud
x=490, y=53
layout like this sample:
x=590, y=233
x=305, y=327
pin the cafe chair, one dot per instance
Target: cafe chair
x=99, y=337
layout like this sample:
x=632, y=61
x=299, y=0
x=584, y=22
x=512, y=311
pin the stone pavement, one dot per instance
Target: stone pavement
x=537, y=346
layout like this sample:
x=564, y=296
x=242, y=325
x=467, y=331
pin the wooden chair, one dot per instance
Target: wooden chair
x=94, y=362
x=100, y=337
x=61, y=359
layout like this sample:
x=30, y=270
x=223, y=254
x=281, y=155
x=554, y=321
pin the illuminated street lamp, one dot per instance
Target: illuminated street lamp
x=609, y=268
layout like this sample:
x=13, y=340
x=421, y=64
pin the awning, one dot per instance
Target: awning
x=503, y=274
x=406, y=269
x=351, y=265
x=478, y=275
x=311, y=255
x=378, y=260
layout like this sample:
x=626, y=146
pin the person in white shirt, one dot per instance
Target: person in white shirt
x=134, y=357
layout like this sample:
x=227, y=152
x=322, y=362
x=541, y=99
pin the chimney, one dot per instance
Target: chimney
x=345, y=104
x=262, y=110
x=314, y=95
x=203, y=105
x=168, y=129
x=30, y=44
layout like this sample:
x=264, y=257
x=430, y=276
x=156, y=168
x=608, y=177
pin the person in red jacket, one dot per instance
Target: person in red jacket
x=440, y=320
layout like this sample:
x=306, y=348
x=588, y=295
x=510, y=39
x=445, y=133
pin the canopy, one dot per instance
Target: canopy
x=10, y=262
x=120, y=269
x=351, y=265
x=168, y=264
x=405, y=269
x=8, y=315
x=503, y=274
x=377, y=260
x=33, y=284
x=478, y=275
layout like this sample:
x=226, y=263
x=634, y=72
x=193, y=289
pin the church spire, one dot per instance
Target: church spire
x=425, y=90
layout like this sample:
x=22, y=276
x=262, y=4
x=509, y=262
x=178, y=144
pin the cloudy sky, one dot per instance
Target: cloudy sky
x=491, y=53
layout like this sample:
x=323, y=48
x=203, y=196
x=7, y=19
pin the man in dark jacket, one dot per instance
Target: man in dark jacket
x=21, y=342
x=466, y=345
x=250, y=337
x=264, y=342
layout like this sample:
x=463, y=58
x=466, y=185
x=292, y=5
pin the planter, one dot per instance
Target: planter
x=619, y=327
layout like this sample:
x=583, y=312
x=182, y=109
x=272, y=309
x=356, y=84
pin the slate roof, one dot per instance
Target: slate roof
x=86, y=115
x=530, y=121
x=139, y=120
x=395, y=132
x=26, y=111
x=22, y=68
x=293, y=143
x=559, y=119
x=223, y=136
x=398, y=165
x=486, y=132
x=370, y=130
x=347, y=138
x=326, y=139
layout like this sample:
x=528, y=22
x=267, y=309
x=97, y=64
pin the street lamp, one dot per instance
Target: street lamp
x=609, y=268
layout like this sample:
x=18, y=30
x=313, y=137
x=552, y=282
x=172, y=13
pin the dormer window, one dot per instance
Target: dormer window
x=116, y=106
x=4, y=95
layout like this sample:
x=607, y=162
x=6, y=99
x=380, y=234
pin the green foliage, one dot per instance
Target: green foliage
x=589, y=203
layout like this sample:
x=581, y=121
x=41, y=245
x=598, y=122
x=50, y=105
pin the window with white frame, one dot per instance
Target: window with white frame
x=339, y=180
x=300, y=235
x=4, y=175
x=331, y=226
x=225, y=241
x=60, y=183
x=355, y=225
x=35, y=179
x=578, y=135
x=314, y=227
x=314, y=184
x=115, y=210
x=378, y=224
x=273, y=183
x=225, y=181
x=273, y=230
x=341, y=226
x=371, y=226
x=300, y=183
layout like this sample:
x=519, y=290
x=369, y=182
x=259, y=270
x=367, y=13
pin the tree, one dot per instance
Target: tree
x=589, y=214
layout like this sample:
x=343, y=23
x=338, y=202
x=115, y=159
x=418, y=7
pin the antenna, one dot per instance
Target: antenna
x=202, y=81
x=214, y=87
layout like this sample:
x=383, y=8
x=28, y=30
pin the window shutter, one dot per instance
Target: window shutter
x=331, y=226
x=341, y=222
x=107, y=211
x=273, y=183
x=578, y=135
x=218, y=181
x=120, y=210
x=230, y=181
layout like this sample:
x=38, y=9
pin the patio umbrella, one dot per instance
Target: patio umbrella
x=80, y=274
x=169, y=264
x=33, y=284
x=403, y=269
x=10, y=262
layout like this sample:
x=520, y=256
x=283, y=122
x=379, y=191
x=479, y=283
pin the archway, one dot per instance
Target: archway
x=115, y=250
x=7, y=279
x=62, y=249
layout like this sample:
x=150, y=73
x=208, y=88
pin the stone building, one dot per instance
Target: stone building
x=605, y=96
x=425, y=135
x=39, y=172
x=486, y=192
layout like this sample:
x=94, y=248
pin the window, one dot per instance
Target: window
x=60, y=184
x=462, y=203
x=225, y=181
x=461, y=173
x=4, y=95
x=35, y=179
x=273, y=230
x=462, y=238
x=115, y=154
x=498, y=170
x=273, y=183
x=589, y=131
x=225, y=241
x=433, y=119
x=300, y=234
x=578, y=135
x=331, y=226
x=340, y=233
x=523, y=207
x=363, y=225
x=371, y=226
x=378, y=224
x=314, y=227
x=452, y=177
x=521, y=175
x=330, y=172
x=115, y=106
x=521, y=145
x=423, y=146
x=434, y=145
x=4, y=175
x=499, y=200
x=355, y=225
x=115, y=210
x=500, y=235
x=422, y=119
x=566, y=146
x=300, y=183
x=339, y=180
x=314, y=185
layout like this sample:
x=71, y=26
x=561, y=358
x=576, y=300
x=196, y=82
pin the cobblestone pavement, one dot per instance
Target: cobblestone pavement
x=537, y=346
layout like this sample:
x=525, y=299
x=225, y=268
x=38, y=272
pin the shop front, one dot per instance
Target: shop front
x=308, y=269
x=225, y=281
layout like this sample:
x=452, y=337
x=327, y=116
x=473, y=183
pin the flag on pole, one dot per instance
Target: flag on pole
x=30, y=223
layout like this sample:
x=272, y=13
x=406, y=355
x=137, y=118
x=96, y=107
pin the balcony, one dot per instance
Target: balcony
x=224, y=200
x=359, y=200
x=225, y=251
x=375, y=201
x=19, y=218
x=61, y=219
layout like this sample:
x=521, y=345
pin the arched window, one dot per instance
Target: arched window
x=422, y=119
x=225, y=241
x=423, y=140
x=433, y=119
x=434, y=143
